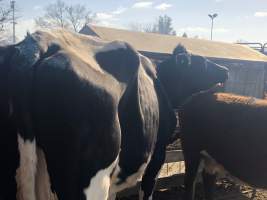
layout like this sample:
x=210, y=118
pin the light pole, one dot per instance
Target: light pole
x=12, y=5
x=212, y=17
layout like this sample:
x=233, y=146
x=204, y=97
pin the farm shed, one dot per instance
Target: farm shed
x=246, y=66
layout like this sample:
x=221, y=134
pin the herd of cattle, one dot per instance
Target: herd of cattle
x=82, y=118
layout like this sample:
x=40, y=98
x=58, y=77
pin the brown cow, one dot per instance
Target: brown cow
x=228, y=130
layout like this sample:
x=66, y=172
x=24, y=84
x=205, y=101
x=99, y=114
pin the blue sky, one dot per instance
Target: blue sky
x=238, y=19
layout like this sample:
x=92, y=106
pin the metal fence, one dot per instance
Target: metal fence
x=256, y=46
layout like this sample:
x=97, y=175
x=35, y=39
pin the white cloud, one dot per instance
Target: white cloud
x=143, y=4
x=218, y=1
x=104, y=16
x=163, y=6
x=260, y=14
x=119, y=11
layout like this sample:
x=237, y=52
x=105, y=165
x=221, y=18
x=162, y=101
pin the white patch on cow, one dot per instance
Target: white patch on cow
x=43, y=184
x=113, y=46
x=130, y=180
x=150, y=198
x=99, y=186
x=25, y=176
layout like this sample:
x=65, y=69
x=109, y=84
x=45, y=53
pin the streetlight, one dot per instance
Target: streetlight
x=212, y=17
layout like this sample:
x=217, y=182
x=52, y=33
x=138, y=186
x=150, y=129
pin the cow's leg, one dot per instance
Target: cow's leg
x=192, y=162
x=151, y=174
x=27, y=169
x=209, y=184
x=99, y=186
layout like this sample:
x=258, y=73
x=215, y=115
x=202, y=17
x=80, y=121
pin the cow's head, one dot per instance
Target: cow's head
x=184, y=74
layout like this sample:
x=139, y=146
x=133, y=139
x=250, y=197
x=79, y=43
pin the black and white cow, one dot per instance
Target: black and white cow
x=227, y=135
x=91, y=108
x=95, y=111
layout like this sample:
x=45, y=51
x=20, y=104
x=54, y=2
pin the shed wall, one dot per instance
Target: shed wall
x=245, y=77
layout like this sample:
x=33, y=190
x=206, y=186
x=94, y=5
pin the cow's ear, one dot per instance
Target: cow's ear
x=183, y=59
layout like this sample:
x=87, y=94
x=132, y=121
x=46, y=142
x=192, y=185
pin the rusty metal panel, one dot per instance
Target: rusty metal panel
x=245, y=77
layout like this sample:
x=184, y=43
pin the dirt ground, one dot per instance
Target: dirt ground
x=225, y=190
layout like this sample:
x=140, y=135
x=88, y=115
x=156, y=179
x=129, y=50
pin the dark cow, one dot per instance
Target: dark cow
x=228, y=133
x=93, y=109
x=181, y=75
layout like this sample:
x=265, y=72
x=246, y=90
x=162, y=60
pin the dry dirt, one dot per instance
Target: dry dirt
x=225, y=190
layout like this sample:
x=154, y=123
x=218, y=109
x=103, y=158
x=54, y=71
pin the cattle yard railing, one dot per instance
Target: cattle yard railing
x=164, y=182
x=256, y=46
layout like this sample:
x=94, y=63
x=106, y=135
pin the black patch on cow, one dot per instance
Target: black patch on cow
x=8, y=144
x=122, y=63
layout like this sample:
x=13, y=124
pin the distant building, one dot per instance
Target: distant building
x=246, y=66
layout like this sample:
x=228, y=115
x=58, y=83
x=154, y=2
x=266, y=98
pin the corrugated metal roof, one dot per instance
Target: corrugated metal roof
x=157, y=43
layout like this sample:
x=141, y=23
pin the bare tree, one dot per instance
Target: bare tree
x=5, y=17
x=89, y=17
x=150, y=28
x=135, y=26
x=78, y=16
x=163, y=25
x=57, y=13
x=60, y=14
x=139, y=27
